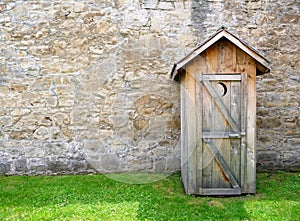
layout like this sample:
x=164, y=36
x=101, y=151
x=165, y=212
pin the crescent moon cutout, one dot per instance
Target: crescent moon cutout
x=224, y=87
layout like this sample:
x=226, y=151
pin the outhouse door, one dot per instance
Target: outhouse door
x=222, y=133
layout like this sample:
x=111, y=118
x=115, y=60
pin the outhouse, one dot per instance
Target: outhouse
x=218, y=115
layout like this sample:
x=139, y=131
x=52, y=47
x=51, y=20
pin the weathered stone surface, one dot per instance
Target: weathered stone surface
x=21, y=165
x=37, y=166
x=5, y=167
x=110, y=163
x=84, y=85
x=58, y=166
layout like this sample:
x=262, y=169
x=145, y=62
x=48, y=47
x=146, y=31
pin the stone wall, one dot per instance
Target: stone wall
x=85, y=87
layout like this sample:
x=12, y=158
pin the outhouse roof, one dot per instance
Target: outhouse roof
x=261, y=61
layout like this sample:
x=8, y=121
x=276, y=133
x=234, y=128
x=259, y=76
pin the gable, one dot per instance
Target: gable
x=221, y=35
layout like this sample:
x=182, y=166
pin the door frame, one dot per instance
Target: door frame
x=203, y=81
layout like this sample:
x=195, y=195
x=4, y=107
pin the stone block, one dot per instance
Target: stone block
x=79, y=7
x=275, y=100
x=20, y=12
x=42, y=84
x=20, y=111
x=21, y=165
x=58, y=166
x=52, y=149
x=160, y=165
x=166, y=5
x=37, y=166
x=288, y=18
x=267, y=156
x=6, y=121
x=150, y=4
x=33, y=152
x=4, y=90
x=109, y=163
x=79, y=166
x=24, y=134
x=5, y=168
x=42, y=133
x=136, y=19
x=173, y=162
x=94, y=148
x=140, y=123
x=60, y=119
x=269, y=122
x=254, y=5
x=187, y=40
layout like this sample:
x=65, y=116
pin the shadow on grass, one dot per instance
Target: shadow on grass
x=100, y=198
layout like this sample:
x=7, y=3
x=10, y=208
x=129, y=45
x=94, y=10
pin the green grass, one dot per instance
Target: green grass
x=97, y=197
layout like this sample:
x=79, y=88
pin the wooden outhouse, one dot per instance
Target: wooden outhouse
x=218, y=115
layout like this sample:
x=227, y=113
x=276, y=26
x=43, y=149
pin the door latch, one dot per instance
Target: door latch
x=234, y=135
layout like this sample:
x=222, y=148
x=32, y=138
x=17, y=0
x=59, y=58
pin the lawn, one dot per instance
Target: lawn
x=97, y=197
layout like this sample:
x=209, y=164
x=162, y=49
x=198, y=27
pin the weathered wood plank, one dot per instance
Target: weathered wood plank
x=191, y=131
x=222, y=163
x=208, y=160
x=220, y=124
x=199, y=94
x=219, y=191
x=247, y=65
x=221, y=106
x=235, y=144
x=212, y=63
x=212, y=59
x=197, y=66
x=219, y=177
x=193, y=103
x=216, y=122
x=225, y=150
x=243, y=128
x=207, y=156
x=227, y=77
x=227, y=56
x=184, y=135
x=224, y=135
x=211, y=171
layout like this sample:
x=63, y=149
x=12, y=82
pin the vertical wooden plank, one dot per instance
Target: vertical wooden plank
x=235, y=143
x=212, y=59
x=209, y=177
x=220, y=124
x=243, y=129
x=218, y=173
x=247, y=65
x=207, y=113
x=225, y=146
x=227, y=57
x=251, y=127
x=206, y=156
x=191, y=130
x=199, y=132
x=184, y=134
x=196, y=68
x=226, y=170
x=208, y=161
x=226, y=64
x=216, y=121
